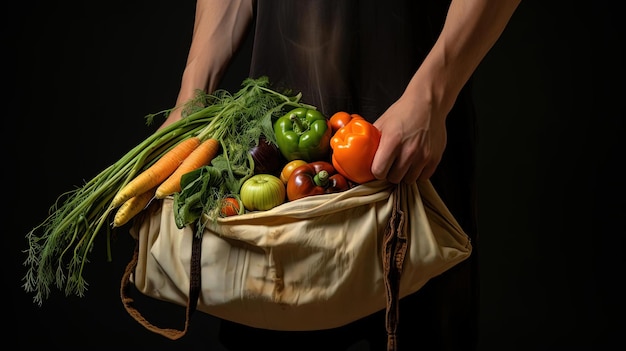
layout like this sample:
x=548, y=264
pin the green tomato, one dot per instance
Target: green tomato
x=262, y=192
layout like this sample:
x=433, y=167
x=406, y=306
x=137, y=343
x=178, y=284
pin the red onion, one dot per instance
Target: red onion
x=267, y=158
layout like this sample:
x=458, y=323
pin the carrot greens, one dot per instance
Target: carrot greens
x=59, y=247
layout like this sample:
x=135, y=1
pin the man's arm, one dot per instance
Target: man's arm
x=219, y=29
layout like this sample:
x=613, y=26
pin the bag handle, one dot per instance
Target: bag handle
x=192, y=301
x=395, y=244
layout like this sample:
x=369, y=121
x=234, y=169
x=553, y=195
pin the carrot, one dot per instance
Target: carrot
x=157, y=172
x=201, y=156
x=131, y=207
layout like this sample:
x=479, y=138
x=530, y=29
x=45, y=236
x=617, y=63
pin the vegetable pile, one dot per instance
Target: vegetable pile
x=231, y=154
x=59, y=247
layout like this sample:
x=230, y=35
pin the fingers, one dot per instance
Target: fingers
x=397, y=164
x=382, y=162
x=428, y=171
x=401, y=166
x=407, y=157
x=404, y=170
x=413, y=174
x=417, y=171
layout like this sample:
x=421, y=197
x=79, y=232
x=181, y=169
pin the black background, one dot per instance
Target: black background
x=82, y=75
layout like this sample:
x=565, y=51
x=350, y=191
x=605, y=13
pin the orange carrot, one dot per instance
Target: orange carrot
x=157, y=172
x=132, y=207
x=201, y=156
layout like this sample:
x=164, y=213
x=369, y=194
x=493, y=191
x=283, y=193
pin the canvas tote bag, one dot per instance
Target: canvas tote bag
x=315, y=263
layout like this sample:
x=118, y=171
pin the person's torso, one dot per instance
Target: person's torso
x=353, y=56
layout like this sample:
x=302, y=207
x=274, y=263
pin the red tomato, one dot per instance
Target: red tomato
x=230, y=207
x=341, y=118
x=315, y=178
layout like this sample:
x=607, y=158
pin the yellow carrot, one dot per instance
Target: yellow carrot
x=132, y=207
x=159, y=171
x=201, y=156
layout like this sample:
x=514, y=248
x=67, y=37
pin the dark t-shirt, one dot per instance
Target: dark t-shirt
x=358, y=57
x=354, y=56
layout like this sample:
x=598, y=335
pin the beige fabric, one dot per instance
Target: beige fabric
x=314, y=263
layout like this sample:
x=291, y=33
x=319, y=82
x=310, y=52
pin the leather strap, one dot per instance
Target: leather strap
x=192, y=302
x=395, y=245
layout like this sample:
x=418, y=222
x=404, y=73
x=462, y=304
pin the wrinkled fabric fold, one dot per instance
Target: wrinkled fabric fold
x=311, y=264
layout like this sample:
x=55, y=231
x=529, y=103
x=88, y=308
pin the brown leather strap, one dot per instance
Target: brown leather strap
x=394, y=251
x=195, y=272
x=192, y=302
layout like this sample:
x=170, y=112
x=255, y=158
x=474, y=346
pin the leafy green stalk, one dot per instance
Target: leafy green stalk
x=59, y=247
x=78, y=215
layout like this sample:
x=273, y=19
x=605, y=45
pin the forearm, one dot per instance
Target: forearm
x=219, y=28
x=471, y=29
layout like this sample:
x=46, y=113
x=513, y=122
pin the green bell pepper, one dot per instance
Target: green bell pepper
x=303, y=134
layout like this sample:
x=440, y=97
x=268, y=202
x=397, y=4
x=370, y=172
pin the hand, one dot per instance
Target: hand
x=413, y=139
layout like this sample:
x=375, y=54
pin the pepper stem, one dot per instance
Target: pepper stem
x=321, y=178
x=298, y=125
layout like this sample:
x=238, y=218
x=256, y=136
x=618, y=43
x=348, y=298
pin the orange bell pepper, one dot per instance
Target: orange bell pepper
x=340, y=119
x=353, y=148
